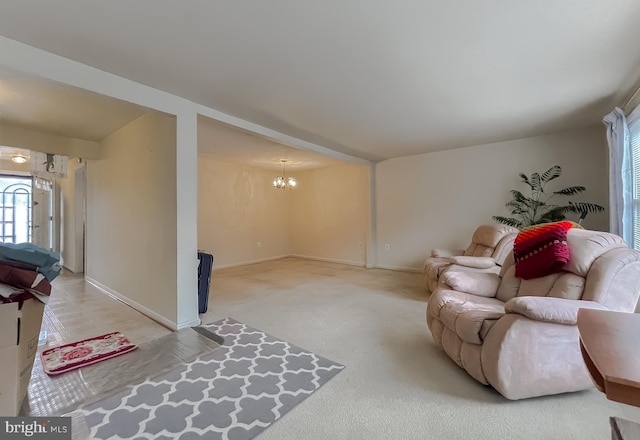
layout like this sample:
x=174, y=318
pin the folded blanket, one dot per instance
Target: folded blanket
x=46, y=262
x=24, y=279
x=541, y=250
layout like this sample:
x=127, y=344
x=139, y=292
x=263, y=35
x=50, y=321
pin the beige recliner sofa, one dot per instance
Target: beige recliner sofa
x=520, y=336
x=489, y=247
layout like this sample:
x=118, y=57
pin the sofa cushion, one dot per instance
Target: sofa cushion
x=538, y=286
x=586, y=246
x=510, y=285
x=558, y=310
x=559, y=285
x=476, y=283
x=468, y=316
x=446, y=253
x=433, y=268
x=568, y=286
x=490, y=235
x=442, y=297
x=477, y=262
x=478, y=250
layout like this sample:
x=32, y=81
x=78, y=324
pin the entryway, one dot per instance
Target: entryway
x=25, y=210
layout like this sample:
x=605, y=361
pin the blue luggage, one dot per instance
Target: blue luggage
x=205, y=265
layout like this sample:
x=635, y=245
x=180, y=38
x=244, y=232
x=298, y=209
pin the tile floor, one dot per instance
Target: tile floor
x=77, y=310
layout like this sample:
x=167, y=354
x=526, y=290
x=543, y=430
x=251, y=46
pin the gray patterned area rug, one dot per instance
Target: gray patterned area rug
x=233, y=393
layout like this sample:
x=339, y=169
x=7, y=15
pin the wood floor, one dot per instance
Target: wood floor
x=77, y=310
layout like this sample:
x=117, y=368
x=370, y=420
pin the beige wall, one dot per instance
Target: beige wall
x=131, y=215
x=71, y=258
x=436, y=200
x=237, y=208
x=10, y=167
x=30, y=139
x=325, y=217
x=330, y=214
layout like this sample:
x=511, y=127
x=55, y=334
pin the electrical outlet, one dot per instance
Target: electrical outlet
x=387, y=247
x=259, y=244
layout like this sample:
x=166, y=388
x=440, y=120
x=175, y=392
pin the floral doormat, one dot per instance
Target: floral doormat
x=79, y=354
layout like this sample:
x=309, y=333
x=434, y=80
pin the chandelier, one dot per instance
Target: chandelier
x=282, y=182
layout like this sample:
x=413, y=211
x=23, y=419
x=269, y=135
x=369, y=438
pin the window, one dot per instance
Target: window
x=634, y=141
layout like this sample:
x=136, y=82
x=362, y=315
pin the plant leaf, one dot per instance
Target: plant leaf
x=552, y=173
x=507, y=221
x=585, y=207
x=555, y=214
x=513, y=204
x=570, y=191
x=535, y=182
x=536, y=208
x=516, y=208
x=521, y=198
x=525, y=179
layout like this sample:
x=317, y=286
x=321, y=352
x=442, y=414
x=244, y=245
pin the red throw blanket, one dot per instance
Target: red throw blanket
x=541, y=250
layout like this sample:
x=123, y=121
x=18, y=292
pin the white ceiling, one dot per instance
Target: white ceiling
x=224, y=143
x=57, y=108
x=60, y=109
x=371, y=78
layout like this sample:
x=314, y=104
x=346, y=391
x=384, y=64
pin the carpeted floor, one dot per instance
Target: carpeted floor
x=397, y=384
x=233, y=393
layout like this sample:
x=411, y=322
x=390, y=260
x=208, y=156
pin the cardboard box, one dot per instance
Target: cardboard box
x=19, y=331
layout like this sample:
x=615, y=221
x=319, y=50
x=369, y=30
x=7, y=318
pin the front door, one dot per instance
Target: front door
x=15, y=209
x=42, y=213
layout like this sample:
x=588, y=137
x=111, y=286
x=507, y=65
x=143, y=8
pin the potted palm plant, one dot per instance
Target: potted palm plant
x=537, y=207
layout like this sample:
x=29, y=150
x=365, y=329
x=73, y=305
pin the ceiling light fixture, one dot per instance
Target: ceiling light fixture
x=19, y=158
x=282, y=182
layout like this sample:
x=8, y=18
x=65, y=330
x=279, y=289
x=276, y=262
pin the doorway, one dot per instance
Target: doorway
x=15, y=209
x=25, y=210
x=42, y=212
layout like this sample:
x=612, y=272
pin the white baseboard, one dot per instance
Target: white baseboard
x=401, y=268
x=71, y=270
x=246, y=263
x=192, y=323
x=329, y=260
x=139, y=307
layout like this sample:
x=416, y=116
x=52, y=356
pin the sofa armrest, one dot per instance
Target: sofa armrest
x=475, y=262
x=446, y=253
x=547, y=309
x=474, y=283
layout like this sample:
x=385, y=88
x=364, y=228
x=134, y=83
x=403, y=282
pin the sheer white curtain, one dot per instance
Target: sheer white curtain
x=620, y=176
